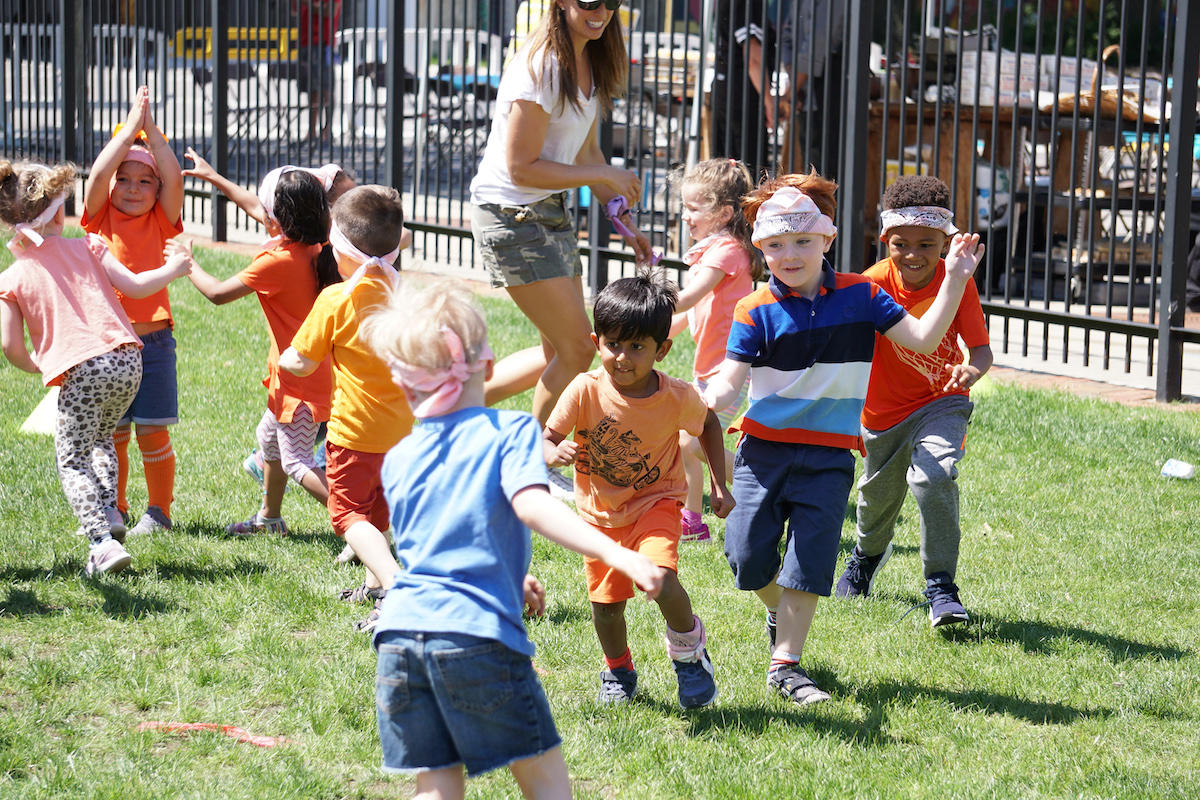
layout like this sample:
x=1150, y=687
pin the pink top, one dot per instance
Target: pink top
x=68, y=302
x=711, y=317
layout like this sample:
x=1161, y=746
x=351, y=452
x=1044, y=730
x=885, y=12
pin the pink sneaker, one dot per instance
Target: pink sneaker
x=694, y=529
x=108, y=556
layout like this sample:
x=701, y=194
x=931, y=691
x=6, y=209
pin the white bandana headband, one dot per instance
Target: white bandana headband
x=270, y=182
x=28, y=230
x=441, y=387
x=344, y=247
x=790, y=210
x=936, y=217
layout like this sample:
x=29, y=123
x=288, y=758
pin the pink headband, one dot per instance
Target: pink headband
x=142, y=156
x=29, y=230
x=441, y=387
x=790, y=210
x=936, y=217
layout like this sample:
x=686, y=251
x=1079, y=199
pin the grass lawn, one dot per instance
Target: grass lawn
x=1077, y=677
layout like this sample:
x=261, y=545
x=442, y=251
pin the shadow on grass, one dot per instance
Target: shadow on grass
x=879, y=696
x=24, y=603
x=1039, y=637
x=122, y=603
x=170, y=570
x=559, y=613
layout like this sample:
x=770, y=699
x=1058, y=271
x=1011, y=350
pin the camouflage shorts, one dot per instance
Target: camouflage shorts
x=525, y=244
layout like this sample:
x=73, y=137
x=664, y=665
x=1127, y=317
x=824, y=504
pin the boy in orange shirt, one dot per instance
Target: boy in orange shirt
x=370, y=413
x=629, y=478
x=134, y=199
x=914, y=421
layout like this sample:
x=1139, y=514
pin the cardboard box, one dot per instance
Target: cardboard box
x=1020, y=80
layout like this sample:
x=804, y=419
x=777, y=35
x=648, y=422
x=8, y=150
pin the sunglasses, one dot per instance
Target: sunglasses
x=592, y=5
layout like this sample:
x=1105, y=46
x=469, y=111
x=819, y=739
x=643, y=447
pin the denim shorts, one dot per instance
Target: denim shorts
x=157, y=400
x=801, y=486
x=526, y=244
x=445, y=699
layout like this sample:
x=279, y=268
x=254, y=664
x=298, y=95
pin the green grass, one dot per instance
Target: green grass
x=1077, y=677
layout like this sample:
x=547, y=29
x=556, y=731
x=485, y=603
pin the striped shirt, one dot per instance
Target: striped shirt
x=810, y=360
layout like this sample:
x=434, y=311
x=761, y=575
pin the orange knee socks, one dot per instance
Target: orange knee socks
x=158, y=461
x=121, y=442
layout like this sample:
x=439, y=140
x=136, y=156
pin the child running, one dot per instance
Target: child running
x=914, y=423
x=806, y=339
x=62, y=290
x=455, y=688
x=629, y=480
x=369, y=413
x=134, y=198
x=722, y=267
x=287, y=277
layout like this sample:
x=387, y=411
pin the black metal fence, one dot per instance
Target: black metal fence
x=1066, y=130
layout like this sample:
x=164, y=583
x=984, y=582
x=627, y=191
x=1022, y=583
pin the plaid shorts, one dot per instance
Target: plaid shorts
x=526, y=244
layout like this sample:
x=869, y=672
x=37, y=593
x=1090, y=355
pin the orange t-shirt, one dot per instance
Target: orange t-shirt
x=138, y=243
x=370, y=413
x=712, y=316
x=629, y=456
x=286, y=285
x=902, y=381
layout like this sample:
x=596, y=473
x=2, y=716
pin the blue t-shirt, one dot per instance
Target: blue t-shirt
x=449, y=485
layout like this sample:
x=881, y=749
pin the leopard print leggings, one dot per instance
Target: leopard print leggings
x=91, y=400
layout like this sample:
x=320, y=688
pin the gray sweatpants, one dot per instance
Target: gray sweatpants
x=920, y=454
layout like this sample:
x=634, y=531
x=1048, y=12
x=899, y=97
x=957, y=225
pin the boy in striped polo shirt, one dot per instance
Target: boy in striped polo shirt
x=806, y=339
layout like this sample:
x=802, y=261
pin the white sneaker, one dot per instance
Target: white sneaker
x=153, y=521
x=107, y=556
x=561, y=486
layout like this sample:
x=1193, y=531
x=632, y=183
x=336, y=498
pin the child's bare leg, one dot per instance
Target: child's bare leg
x=794, y=618
x=357, y=536
x=674, y=603
x=315, y=484
x=274, y=484
x=514, y=374
x=693, y=468
x=441, y=784
x=544, y=776
x=609, y=621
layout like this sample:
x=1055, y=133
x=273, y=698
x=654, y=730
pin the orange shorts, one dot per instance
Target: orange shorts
x=355, y=488
x=655, y=535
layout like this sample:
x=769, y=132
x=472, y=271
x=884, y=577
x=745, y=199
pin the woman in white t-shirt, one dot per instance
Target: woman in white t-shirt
x=543, y=142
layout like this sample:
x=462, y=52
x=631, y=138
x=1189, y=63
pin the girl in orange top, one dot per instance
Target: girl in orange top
x=287, y=275
x=723, y=265
x=134, y=199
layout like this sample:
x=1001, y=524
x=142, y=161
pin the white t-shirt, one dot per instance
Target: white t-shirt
x=565, y=135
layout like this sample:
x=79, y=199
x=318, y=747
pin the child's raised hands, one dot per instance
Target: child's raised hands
x=200, y=167
x=964, y=255
x=138, y=114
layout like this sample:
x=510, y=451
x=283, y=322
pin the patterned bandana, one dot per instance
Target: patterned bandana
x=441, y=387
x=936, y=217
x=28, y=230
x=790, y=210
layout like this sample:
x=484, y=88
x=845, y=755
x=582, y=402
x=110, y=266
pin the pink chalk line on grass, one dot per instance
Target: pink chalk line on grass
x=228, y=730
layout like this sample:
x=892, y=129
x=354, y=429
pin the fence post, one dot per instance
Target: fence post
x=850, y=256
x=67, y=22
x=219, y=41
x=598, y=225
x=1169, y=375
x=393, y=119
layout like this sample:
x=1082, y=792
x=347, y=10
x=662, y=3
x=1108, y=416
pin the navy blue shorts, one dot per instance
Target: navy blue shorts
x=157, y=400
x=445, y=699
x=803, y=487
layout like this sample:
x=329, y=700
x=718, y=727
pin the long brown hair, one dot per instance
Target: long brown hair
x=607, y=55
x=724, y=182
x=26, y=189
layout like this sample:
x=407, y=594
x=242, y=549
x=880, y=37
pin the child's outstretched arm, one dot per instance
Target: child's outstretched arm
x=558, y=450
x=95, y=192
x=713, y=445
x=144, y=284
x=12, y=337
x=293, y=361
x=699, y=284
x=925, y=334
x=552, y=519
x=723, y=389
x=964, y=376
x=242, y=197
x=218, y=292
x=170, y=197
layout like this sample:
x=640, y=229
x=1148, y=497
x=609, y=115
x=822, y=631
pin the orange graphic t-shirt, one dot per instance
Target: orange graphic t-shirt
x=902, y=381
x=629, y=456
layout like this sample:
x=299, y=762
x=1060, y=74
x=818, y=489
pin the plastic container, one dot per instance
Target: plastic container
x=1174, y=468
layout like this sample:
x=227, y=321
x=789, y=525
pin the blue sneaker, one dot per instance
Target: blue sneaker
x=944, y=605
x=697, y=686
x=253, y=465
x=859, y=577
x=618, y=685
